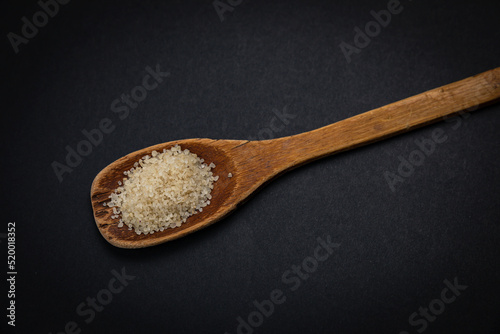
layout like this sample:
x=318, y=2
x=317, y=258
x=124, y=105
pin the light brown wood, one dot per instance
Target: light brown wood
x=254, y=163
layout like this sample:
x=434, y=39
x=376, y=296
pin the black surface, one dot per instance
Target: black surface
x=226, y=78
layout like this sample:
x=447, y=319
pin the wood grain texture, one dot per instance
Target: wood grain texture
x=254, y=163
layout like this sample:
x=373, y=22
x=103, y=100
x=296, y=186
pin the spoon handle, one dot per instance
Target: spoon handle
x=410, y=113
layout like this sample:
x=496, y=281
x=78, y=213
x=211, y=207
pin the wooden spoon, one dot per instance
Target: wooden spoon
x=254, y=163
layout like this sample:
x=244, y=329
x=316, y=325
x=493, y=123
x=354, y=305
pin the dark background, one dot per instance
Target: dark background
x=226, y=78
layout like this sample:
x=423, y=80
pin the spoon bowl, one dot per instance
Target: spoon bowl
x=254, y=163
x=107, y=181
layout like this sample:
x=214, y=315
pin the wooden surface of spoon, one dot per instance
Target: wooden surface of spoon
x=254, y=163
